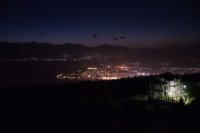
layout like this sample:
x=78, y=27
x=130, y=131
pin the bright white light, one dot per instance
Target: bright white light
x=184, y=86
x=61, y=76
x=92, y=68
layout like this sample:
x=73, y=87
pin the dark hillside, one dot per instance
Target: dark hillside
x=103, y=106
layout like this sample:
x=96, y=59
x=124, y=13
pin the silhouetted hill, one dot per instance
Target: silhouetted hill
x=40, y=50
x=46, y=50
x=115, y=49
x=178, y=55
x=186, y=55
x=103, y=106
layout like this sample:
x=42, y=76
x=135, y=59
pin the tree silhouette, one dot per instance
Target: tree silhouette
x=181, y=101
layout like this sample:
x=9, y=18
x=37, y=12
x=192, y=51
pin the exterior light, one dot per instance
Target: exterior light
x=184, y=86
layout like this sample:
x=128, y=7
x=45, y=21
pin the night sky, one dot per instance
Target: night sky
x=142, y=22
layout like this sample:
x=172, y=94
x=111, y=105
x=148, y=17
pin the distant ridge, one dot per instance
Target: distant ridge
x=47, y=50
x=180, y=55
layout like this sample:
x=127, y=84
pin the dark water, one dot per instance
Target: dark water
x=32, y=73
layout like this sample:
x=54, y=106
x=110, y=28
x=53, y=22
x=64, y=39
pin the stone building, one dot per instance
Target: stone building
x=170, y=90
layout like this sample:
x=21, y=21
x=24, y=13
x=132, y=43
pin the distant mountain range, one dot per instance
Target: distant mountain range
x=180, y=54
x=45, y=50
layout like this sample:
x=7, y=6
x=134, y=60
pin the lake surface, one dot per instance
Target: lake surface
x=32, y=73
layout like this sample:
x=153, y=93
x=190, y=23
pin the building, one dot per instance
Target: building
x=169, y=90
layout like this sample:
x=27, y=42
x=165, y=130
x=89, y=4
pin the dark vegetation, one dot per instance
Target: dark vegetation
x=103, y=106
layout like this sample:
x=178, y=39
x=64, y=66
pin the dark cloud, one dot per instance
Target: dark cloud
x=115, y=39
x=94, y=35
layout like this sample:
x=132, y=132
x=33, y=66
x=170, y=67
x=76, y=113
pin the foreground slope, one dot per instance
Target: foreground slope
x=104, y=106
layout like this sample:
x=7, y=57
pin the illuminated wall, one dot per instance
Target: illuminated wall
x=173, y=89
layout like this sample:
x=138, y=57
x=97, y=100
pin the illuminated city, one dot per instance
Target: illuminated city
x=130, y=70
x=106, y=73
x=100, y=66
